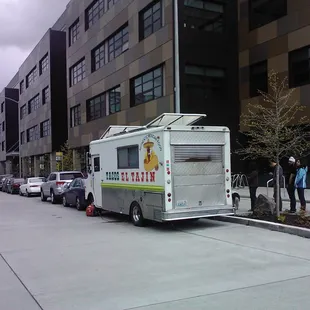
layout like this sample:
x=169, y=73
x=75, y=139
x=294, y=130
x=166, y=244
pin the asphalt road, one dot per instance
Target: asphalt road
x=55, y=258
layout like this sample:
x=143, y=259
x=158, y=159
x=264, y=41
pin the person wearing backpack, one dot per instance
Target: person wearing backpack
x=301, y=183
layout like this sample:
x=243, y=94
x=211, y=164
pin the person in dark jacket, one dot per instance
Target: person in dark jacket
x=290, y=181
x=273, y=164
x=300, y=183
x=253, y=184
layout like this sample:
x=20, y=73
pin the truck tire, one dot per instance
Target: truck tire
x=43, y=197
x=78, y=204
x=136, y=215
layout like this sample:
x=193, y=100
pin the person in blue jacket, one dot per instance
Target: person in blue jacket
x=300, y=183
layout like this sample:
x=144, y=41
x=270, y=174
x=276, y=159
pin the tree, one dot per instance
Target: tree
x=275, y=128
x=67, y=159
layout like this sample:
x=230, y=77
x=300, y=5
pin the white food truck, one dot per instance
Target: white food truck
x=167, y=170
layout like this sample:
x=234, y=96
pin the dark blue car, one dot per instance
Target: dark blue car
x=74, y=194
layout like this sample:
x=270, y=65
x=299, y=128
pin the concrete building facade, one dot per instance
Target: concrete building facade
x=43, y=104
x=274, y=35
x=121, y=63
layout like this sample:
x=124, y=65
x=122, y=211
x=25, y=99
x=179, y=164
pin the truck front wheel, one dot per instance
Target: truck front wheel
x=136, y=215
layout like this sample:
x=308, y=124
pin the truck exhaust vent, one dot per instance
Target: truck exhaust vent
x=197, y=153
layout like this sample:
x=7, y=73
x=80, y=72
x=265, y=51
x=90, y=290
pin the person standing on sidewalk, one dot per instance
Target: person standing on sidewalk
x=301, y=183
x=275, y=189
x=253, y=184
x=290, y=181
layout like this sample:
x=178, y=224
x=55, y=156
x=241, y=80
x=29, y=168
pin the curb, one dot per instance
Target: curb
x=283, y=199
x=287, y=229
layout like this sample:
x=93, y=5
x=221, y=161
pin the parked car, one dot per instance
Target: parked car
x=14, y=185
x=6, y=184
x=53, y=187
x=31, y=187
x=74, y=194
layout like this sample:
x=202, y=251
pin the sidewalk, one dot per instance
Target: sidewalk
x=244, y=193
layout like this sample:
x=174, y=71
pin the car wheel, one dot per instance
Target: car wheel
x=78, y=204
x=53, y=199
x=64, y=201
x=27, y=194
x=136, y=215
x=20, y=193
x=43, y=198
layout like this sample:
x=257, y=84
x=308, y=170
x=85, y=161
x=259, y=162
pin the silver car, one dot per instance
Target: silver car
x=54, y=185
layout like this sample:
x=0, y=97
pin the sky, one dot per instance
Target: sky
x=22, y=24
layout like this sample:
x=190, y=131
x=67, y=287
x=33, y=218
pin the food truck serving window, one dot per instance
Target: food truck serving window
x=128, y=157
x=198, y=153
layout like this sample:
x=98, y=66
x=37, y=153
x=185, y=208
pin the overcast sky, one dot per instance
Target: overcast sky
x=22, y=24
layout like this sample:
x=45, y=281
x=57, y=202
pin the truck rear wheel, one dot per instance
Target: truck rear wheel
x=136, y=215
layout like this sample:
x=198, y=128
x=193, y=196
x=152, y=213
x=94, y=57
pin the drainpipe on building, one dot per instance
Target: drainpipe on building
x=176, y=59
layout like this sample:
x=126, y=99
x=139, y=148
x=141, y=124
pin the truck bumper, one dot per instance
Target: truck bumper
x=183, y=214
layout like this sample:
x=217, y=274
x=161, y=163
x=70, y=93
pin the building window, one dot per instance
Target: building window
x=148, y=86
x=114, y=100
x=3, y=146
x=34, y=104
x=93, y=13
x=258, y=78
x=2, y=107
x=299, y=67
x=74, y=32
x=98, y=57
x=204, y=15
x=3, y=126
x=128, y=157
x=45, y=128
x=21, y=87
x=23, y=111
x=111, y=3
x=150, y=19
x=77, y=72
x=31, y=77
x=22, y=137
x=118, y=42
x=96, y=108
x=75, y=115
x=262, y=12
x=33, y=133
x=45, y=95
x=44, y=64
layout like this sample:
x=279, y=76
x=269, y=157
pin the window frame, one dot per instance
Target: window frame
x=96, y=165
x=75, y=116
x=34, y=104
x=143, y=19
x=33, y=74
x=292, y=61
x=254, y=82
x=133, y=86
x=21, y=86
x=99, y=58
x=115, y=103
x=74, y=32
x=45, y=128
x=2, y=107
x=89, y=22
x=112, y=42
x=34, y=130
x=44, y=64
x=128, y=147
x=45, y=95
x=79, y=65
x=90, y=107
x=23, y=109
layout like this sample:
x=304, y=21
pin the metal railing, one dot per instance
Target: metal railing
x=283, y=189
x=239, y=181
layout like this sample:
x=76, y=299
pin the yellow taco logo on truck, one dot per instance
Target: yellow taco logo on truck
x=150, y=157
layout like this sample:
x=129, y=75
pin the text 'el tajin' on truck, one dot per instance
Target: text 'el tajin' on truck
x=167, y=170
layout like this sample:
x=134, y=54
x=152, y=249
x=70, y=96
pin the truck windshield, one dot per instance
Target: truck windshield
x=70, y=176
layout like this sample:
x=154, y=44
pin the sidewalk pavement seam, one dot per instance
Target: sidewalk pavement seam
x=21, y=282
x=218, y=293
x=245, y=246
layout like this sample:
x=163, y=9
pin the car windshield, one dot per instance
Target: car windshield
x=36, y=180
x=70, y=176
